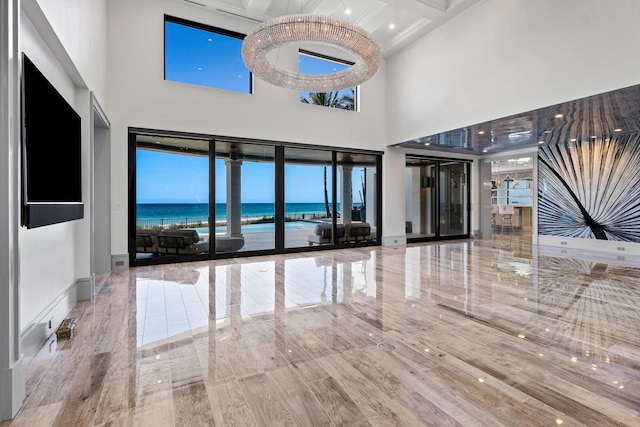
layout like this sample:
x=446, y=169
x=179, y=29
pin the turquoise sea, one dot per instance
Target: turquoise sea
x=152, y=213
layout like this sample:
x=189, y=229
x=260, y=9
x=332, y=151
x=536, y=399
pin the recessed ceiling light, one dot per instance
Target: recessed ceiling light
x=558, y=116
x=347, y=11
x=573, y=140
x=593, y=137
x=485, y=151
x=427, y=144
x=392, y=26
x=481, y=132
x=540, y=142
x=617, y=130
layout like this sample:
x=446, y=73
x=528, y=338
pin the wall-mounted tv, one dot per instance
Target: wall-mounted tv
x=51, y=153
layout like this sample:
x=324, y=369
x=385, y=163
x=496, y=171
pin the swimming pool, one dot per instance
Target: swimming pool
x=249, y=228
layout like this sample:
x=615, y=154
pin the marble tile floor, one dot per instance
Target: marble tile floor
x=485, y=332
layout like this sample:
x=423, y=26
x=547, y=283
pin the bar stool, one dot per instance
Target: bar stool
x=506, y=215
x=494, y=212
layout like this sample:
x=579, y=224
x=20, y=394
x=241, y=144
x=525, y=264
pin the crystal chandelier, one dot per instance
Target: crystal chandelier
x=319, y=29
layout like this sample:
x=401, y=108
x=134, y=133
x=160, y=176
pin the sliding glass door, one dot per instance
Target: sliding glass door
x=245, y=197
x=267, y=197
x=357, y=196
x=308, y=197
x=171, y=198
x=437, y=199
x=453, y=199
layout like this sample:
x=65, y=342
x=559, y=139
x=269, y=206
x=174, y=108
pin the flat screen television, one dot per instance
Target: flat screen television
x=51, y=153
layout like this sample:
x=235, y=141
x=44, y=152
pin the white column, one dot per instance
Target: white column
x=393, y=197
x=346, y=198
x=372, y=196
x=234, y=204
x=12, y=378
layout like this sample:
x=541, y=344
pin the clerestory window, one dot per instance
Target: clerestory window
x=312, y=63
x=206, y=56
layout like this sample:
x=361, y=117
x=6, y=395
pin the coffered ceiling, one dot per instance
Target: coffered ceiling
x=393, y=23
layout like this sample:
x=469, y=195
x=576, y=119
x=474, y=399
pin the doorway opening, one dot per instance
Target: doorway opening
x=197, y=197
x=512, y=197
x=437, y=198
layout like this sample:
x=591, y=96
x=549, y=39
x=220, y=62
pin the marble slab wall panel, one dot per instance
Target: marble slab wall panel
x=590, y=188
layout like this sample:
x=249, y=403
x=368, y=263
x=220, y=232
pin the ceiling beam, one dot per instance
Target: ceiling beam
x=256, y=9
x=404, y=36
x=418, y=8
x=437, y=4
x=324, y=7
x=374, y=17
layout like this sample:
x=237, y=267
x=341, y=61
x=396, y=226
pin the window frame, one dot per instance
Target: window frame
x=279, y=194
x=356, y=88
x=203, y=27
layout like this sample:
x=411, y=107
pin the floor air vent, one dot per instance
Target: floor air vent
x=386, y=347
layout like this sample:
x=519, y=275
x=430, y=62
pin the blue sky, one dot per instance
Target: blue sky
x=204, y=58
x=177, y=178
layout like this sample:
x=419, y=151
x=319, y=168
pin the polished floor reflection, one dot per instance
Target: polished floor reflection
x=486, y=332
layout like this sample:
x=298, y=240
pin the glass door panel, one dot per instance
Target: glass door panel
x=437, y=198
x=172, y=197
x=356, y=194
x=308, y=197
x=453, y=198
x=245, y=197
x=265, y=197
x=420, y=198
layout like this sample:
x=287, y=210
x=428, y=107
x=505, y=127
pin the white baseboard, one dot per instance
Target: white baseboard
x=12, y=390
x=608, y=246
x=47, y=321
x=394, y=240
x=119, y=262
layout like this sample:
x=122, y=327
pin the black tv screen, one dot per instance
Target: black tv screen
x=51, y=152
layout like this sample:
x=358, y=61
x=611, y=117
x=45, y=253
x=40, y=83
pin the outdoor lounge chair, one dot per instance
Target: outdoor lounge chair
x=229, y=243
x=181, y=242
x=358, y=232
x=322, y=234
x=147, y=241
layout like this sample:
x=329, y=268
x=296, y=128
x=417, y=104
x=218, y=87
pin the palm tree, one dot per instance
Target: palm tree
x=348, y=100
x=326, y=194
x=343, y=101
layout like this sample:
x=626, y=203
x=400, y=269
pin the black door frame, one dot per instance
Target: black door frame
x=435, y=209
x=279, y=243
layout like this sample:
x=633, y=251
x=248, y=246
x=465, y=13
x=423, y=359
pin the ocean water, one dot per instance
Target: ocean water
x=151, y=213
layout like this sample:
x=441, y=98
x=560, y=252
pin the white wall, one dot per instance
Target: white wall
x=503, y=57
x=393, y=197
x=140, y=97
x=81, y=27
x=54, y=257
